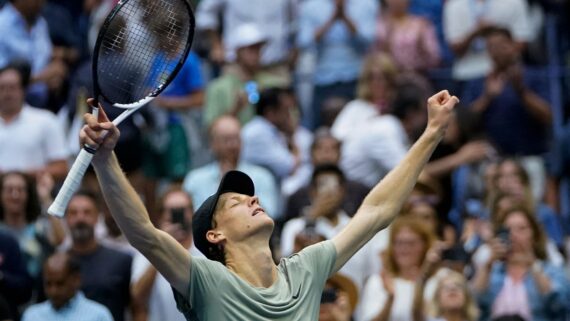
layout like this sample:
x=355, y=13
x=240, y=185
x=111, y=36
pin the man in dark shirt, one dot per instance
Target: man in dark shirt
x=105, y=272
x=15, y=283
x=511, y=101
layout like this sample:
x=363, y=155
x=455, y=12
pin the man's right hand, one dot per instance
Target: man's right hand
x=99, y=133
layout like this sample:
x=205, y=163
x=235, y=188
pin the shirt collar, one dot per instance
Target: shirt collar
x=71, y=304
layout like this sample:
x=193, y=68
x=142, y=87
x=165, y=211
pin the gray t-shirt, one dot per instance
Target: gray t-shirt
x=216, y=293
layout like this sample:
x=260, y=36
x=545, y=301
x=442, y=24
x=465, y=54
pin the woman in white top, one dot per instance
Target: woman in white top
x=390, y=295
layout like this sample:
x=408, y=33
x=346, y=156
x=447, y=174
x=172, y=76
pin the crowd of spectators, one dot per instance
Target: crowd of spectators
x=316, y=100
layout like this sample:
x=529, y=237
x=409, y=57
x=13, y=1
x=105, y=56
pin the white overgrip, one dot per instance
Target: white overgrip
x=71, y=183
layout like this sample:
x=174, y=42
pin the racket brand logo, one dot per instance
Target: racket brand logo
x=139, y=38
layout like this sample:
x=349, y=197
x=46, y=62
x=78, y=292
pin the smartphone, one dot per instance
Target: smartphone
x=329, y=295
x=327, y=183
x=504, y=235
x=177, y=217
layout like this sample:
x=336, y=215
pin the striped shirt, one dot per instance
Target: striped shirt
x=79, y=308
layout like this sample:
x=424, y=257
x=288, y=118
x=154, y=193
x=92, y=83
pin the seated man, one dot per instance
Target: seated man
x=62, y=281
x=239, y=279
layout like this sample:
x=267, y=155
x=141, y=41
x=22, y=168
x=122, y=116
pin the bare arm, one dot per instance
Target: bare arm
x=193, y=100
x=164, y=252
x=142, y=287
x=385, y=200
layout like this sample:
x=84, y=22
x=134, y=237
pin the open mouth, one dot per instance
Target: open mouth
x=257, y=211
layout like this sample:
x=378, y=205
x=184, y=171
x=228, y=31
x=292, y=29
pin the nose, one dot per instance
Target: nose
x=253, y=200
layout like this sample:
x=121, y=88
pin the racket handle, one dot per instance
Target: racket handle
x=71, y=183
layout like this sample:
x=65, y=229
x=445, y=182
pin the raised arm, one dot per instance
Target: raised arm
x=383, y=203
x=164, y=252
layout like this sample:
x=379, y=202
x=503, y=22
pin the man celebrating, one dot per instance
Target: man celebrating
x=230, y=227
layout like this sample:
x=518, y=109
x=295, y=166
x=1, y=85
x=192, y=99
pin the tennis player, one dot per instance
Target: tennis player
x=239, y=280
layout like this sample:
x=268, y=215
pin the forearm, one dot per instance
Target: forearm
x=481, y=279
x=124, y=203
x=442, y=166
x=142, y=287
x=57, y=169
x=536, y=106
x=418, y=307
x=384, y=315
x=542, y=281
x=324, y=29
x=481, y=103
x=349, y=24
x=388, y=196
x=460, y=48
x=191, y=101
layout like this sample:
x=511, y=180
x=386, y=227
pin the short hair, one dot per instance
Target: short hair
x=325, y=169
x=23, y=68
x=72, y=264
x=323, y=133
x=269, y=99
x=496, y=30
x=90, y=195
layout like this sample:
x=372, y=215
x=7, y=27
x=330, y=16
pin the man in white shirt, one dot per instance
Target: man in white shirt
x=150, y=289
x=376, y=146
x=464, y=23
x=273, y=17
x=32, y=139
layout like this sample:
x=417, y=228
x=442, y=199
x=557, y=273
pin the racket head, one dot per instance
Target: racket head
x=140, y=48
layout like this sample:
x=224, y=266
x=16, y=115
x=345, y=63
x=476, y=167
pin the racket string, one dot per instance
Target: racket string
x=141, y=48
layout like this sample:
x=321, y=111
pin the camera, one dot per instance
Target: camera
x=177, y=216
x=329, y=295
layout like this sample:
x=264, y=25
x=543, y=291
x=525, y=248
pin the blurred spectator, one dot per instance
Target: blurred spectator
x=167, y=150
x=339, y=299
x=105, y=272
x=27, y=38
x=275, y=19
x=377, y=145
x=410, y=39
x=62, y=281
x=31, y=139
x=20, y=211
x=433, y=11
x=465, y=22
x=517, y=279
x=374, y=95
x=514, y=181
x=512, y=103
x=225, y=143
x=339, y=32
x=5, y=314
x=389, y=295
x=15, y=282
x=237, y=90
x=324, y=150
x=150, y=288
x=324, y=216
x=268, y=140
x=451, y=301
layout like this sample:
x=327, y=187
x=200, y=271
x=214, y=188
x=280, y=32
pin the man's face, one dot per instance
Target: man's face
x=225, y=140
x=502, y=50
x=81, y=217
x=249, y=57
x=326, y=151
x=60, y=285
x=176, y=203
x=240, y=216
x=285, y=115
x=31, y=9
x=11, y=92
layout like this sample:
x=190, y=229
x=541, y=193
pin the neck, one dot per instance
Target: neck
x=8, y=114
x=252, y=262
x=15, y=219
x=86, y=247
x=453, y=315
x=244, y=73
x=227, y=165
x=409, y=273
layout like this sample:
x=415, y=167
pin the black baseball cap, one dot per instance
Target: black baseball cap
x=233, y=181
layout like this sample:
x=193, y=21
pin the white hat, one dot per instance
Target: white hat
x=245, y=35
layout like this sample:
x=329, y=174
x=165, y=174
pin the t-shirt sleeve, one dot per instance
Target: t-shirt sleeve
x=319, y=257
x=205, y=277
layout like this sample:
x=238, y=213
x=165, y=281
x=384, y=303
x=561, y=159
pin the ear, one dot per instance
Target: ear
x=215, y=236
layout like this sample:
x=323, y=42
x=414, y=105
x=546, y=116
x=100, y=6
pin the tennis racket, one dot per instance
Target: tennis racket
x=140, y=48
